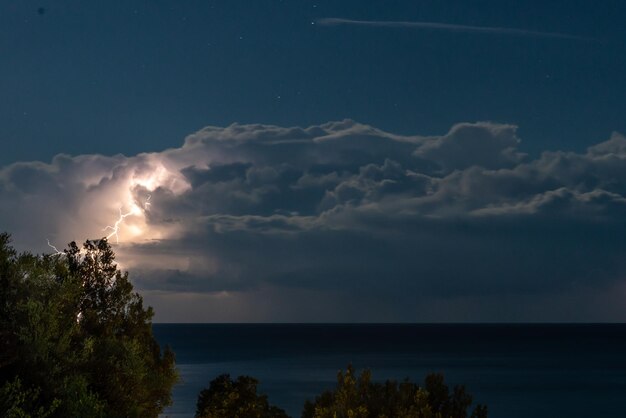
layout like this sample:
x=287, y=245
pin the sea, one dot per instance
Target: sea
x=517, y=370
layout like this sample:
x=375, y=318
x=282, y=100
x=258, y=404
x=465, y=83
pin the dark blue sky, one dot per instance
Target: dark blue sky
x=132, y=76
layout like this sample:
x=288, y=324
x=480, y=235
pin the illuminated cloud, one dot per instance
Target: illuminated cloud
x=343, y=221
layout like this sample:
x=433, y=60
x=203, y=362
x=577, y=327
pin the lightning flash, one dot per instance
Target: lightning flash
x=56, y=250
x=131, y=222
x=116, y=226
x=135, y=210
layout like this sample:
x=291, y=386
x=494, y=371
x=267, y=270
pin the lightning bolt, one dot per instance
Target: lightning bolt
x=115, y=228
x=56, y=250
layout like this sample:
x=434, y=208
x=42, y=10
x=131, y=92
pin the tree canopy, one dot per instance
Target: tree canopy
x=354, y=397
x=360, y=397
x=75, y=339
x=227, y=398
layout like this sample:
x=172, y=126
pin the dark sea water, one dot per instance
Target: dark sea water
x=539, y=371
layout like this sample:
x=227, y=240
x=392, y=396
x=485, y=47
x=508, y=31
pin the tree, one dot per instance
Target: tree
x=225, y=398
x=76, y=339
x=359, y=397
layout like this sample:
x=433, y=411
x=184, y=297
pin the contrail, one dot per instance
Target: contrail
x=332, y=21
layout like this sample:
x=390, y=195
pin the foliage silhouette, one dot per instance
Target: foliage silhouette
x=354, y=397
x=75, y=340
x=225, y=398
x=359, y=397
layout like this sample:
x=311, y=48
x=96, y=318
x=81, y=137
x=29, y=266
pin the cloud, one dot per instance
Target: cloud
x=343, y=221
x=333, y=21
x=482, y=144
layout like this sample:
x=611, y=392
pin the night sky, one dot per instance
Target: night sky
x=326, y=161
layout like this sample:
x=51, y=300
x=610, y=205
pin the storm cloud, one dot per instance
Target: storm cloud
x=343, y=222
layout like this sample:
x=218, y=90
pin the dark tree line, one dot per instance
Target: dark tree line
x=76, y=340
x=354, y=397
